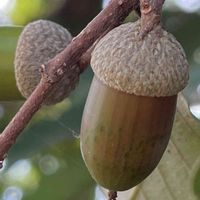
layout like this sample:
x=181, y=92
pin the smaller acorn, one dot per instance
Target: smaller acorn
x=129, y=112
x=39, y=42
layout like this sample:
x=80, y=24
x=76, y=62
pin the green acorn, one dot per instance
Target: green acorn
x=129, y=113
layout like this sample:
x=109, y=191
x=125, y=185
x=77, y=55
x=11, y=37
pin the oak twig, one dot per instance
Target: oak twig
x=110, y=17
x=150, y=15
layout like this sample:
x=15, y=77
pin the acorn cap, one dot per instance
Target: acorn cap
x=38, y=43
x=154, y=66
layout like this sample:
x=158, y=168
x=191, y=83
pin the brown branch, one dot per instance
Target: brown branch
x=150, y=15
x=109, y=18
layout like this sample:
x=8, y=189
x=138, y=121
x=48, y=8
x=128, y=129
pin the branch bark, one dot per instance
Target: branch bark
x=110, y=17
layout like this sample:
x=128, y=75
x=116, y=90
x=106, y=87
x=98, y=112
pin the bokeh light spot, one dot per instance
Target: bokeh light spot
x=13, y=193
x=19, y=170
x=188, y=6
x=196, y=55
x=105, y=3
x=99, y=195
x=49, y=164
x=195, y=110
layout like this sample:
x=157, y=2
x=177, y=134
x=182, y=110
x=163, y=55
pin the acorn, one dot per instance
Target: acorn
x=130, y=108
x=39, y=42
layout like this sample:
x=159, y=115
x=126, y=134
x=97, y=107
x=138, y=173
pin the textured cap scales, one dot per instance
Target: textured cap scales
x=155, y=66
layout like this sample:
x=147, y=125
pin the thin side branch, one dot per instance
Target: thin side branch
x=109, y=18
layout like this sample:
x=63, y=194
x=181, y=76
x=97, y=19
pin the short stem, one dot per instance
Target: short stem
x=112, y=195
x=150, y=15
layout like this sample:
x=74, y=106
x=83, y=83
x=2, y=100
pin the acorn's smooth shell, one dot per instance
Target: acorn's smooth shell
x=123, y=136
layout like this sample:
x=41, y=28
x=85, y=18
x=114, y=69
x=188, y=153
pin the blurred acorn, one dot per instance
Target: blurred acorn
x=39, y=42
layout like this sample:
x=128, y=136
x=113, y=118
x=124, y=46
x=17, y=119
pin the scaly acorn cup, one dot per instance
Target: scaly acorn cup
x=38, y=43
x=130, y=108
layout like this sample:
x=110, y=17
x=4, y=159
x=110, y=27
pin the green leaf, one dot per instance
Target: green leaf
x=8, y=41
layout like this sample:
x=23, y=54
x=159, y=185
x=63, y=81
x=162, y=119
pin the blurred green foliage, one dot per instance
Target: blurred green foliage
x=197, y=183
x=25, y=11
x=8, y=40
